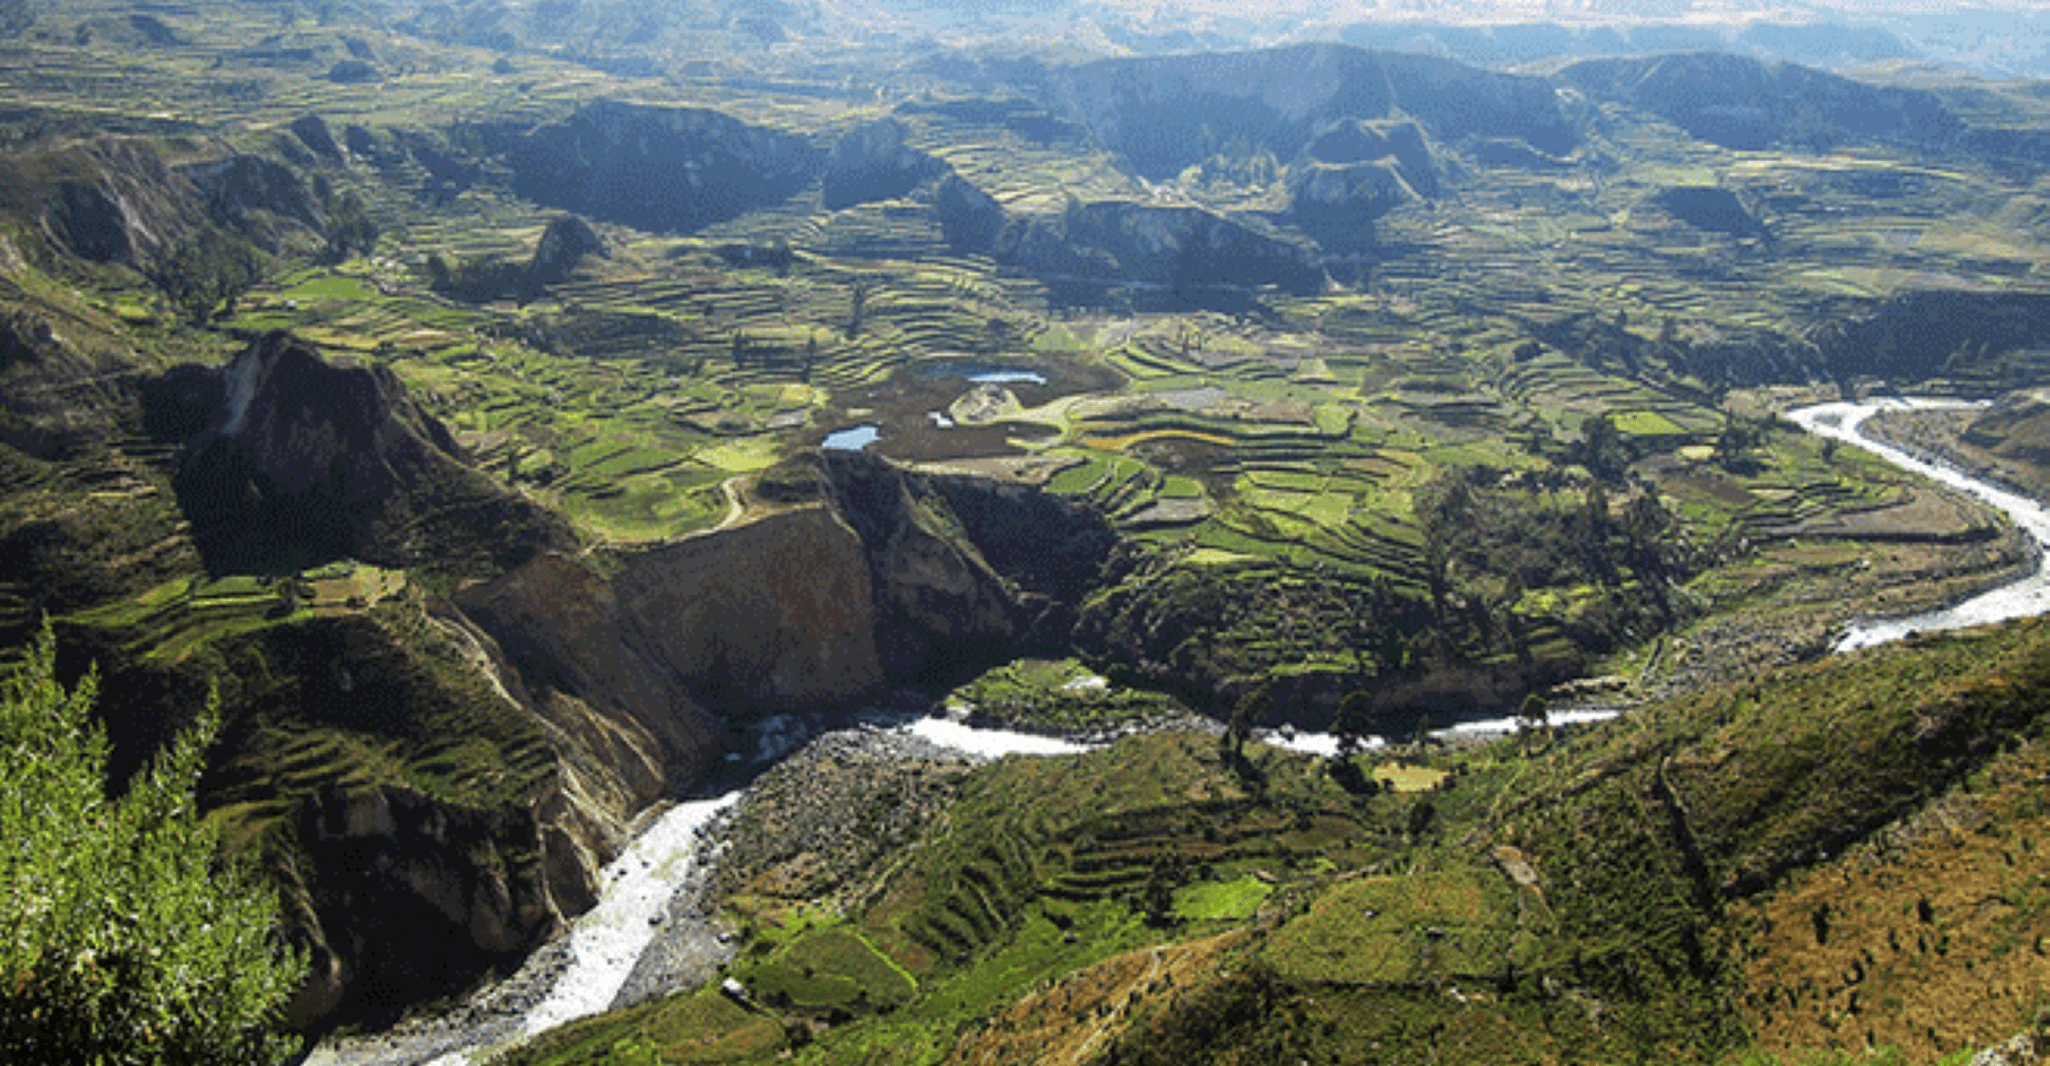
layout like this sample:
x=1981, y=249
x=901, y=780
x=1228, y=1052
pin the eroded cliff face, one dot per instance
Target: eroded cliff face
x=120, y=200
x=402, y=892
x=426, y=817
x=401, y=895
x=775, y=613
x=870, y=576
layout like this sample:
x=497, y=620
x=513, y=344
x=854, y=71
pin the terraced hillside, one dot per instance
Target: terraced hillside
x=1369, y=391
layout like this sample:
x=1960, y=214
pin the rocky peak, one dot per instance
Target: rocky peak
x=304, y=460
x=303, y=418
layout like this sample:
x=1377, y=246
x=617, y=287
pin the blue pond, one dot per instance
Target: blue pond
x=854, y=439
x=983, y=373
x=1007, y=377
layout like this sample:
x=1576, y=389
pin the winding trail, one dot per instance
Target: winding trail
x=735, y=509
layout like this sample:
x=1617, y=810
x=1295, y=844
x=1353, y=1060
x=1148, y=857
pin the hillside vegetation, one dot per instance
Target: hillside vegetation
x=1833, y=857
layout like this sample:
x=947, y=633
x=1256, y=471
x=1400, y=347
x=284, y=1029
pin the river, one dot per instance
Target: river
x=2024, y=598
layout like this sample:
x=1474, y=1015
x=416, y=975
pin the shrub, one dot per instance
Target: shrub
x=123, y=936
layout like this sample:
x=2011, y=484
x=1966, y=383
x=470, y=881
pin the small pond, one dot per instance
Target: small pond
x=853, y=439
x=983, y=373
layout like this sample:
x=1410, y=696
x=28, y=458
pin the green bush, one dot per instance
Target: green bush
x=123, y=937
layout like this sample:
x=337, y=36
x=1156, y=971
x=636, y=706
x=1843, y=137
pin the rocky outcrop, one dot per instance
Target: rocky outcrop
x=2028, y=1049
x=426, y=816
x=117, y=200
x=410, y=894
x=939, y=606
x=657, y=168
x=303, y=461
x=872, y=576
x=872, y=162
x=773, y=614
x=92, y=223
x=109, y=201
x=563, y=245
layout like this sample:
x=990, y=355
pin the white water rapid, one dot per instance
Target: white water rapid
x=609, y=938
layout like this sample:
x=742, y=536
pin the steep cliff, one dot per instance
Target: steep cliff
x=864, y=575
x=872, y=162
x=426, y=817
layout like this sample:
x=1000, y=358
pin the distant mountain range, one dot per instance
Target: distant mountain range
x=798, y=36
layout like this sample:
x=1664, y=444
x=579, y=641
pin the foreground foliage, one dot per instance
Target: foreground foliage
x=122, y=937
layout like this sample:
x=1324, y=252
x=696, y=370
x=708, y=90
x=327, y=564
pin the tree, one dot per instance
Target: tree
x=1246, y=716
x=203, y=275
x=1354, y=724
x=858, y=293
x=1739, y=438
x=123, y=936
x=1602, y=449
x=349, y=229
